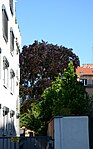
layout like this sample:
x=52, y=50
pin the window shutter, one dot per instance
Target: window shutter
x=5, y=24
x=5, y=63
x=12, y=74
x=11, y=6
x=11, y=41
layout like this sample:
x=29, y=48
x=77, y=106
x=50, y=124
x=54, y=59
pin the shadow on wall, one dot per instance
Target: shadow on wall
x=7, y=132
x=7, y=122
x=7, y=128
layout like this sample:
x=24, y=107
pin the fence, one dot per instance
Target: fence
x=37, y=142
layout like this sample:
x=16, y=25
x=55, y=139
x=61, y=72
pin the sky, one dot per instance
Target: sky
x=63, y=22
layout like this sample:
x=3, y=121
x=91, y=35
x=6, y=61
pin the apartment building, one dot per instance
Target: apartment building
x=10, y=45
x=85, y=75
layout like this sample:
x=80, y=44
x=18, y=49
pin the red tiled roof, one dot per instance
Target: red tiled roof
x=86, y=69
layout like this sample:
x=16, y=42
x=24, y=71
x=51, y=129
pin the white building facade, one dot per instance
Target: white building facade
x=10, y=46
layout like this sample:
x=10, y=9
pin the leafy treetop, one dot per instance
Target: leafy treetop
x=65, y=97
x=39, y=64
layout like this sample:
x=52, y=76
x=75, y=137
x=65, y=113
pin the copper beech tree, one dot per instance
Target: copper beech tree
x=40, y=63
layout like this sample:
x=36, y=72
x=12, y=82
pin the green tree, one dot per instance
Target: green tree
x=39, y=64
x=66, y=96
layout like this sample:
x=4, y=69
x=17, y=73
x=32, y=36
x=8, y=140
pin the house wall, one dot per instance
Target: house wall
x=9, y=98
x=89, y=86
x=85, y=72
x=89, y=90
x=50, y=131
x=89, y=79
x=70, y=132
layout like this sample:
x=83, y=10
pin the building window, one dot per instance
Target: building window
x=12, y=128
x=5, y=23
x=6, y=71
x=12, y=75
x=11, y=41
x=11, y=6
x=84, y=81
x=17, y=47
x=5, y=120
